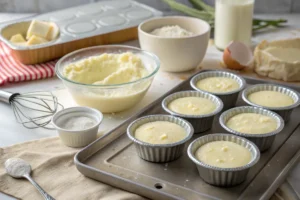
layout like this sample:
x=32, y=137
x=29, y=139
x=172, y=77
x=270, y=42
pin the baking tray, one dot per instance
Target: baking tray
x=112, y=159
x=104, y=22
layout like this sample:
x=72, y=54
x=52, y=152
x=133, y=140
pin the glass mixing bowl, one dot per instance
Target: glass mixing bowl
x=108, y=98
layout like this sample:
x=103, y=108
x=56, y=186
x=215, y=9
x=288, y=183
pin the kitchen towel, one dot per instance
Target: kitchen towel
x=54, y=170
x=11, y=70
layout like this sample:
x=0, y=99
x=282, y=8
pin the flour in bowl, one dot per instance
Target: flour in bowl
x=78, y=123
x=172, y=32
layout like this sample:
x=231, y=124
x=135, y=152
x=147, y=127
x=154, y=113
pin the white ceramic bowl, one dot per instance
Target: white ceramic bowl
x=77, y=138
x=176, y=54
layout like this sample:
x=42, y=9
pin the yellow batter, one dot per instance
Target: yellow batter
x=217, y=84
x=107, y=69
x=160, y=132
x=192, y=106
x=270, y=99
x=112, y=101
x=223, y=154
x=252, y=123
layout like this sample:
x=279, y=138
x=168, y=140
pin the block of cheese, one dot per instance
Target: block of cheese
x=38, y=28
x=279, y=59
x=17, y=38
x=36, y=40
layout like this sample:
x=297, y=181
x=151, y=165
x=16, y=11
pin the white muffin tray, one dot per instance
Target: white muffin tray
x=98, y=18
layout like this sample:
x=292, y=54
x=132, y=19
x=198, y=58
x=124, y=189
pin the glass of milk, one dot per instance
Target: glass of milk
x=233, y=22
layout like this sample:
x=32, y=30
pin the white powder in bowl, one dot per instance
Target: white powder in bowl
x=171, y=31
x=78, y=123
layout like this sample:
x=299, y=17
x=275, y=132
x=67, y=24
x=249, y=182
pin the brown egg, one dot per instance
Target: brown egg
x=237, y=56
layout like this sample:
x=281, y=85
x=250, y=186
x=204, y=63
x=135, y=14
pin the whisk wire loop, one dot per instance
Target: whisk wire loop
x=35, y=109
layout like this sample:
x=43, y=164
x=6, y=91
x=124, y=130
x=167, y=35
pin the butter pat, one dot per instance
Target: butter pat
x=223, y=154
x=53, y=33
x=38, y=28
x=18, y=38
x=163, y=136
x=39, y=32
x=278, y=59
x=36, y=40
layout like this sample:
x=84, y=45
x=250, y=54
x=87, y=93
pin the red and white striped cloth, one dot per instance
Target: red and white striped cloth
x=12, y=70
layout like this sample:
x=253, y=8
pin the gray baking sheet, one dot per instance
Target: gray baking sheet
x=112, y=159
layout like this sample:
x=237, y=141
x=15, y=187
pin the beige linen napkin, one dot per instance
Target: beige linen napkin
x=54, y=169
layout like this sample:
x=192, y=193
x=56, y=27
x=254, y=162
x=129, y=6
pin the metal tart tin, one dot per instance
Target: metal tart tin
x=200, y=123
x=159, y=152
x=284, y=112
x=262, y=141
x=224, y=177
x=229, y=98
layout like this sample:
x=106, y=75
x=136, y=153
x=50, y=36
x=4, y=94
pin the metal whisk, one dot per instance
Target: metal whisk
x=32, y=110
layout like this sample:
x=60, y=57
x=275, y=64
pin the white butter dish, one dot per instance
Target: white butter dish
x=99, y=23
x=77, y=133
